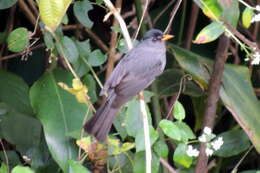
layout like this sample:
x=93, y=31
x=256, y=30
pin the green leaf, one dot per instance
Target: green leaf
x=148, y=95
x=52, y=12
x=76, y=167
x=59, y=113
x=139, y=139
x=168, y=83
x=247, y=16
x=161, y=149
x=185, y=131
x=250, y=171
x=170, y=129
x=210, y=8
x=236, y=84
x=230, y=12
x=119, y=123
x=89, y=81
x=70, y=49
x=81, y=9
x=22, y=169
x=210, y=33
x=97, y=58
x=84, y=48
x=133, y=119
x=178, y=111
x=13, y=123
x=139, y=163
x=6, y=3
x=15, y=92
x=80, y=67
x=18, y=40
x=235, y=142
x=3, y=168
x=48, y=40
x=180, y=156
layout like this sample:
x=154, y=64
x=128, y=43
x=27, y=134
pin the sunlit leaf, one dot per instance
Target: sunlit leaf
x=180, y=156
x=22, y=169
x=247, y=16
x=210, y=33
x=170, y=129
x=178, y=111
x=161, y=149
x=185, y=131
x=18, y=40
x=52, y=12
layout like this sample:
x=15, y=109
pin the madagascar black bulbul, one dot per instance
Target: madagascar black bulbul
x=136, y=71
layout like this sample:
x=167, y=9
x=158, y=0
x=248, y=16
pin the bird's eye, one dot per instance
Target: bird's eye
x=157, y=38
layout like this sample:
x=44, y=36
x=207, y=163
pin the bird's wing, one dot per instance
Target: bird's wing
x=135, y=71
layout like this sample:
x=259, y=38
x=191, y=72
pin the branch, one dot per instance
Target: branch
x=121, y=23
x=113, y=42
x=27, y=11
x=167, y=165
x=21, y=53
x=162, y=12
x=213, y=97
x=191, y=27
x=174, y=11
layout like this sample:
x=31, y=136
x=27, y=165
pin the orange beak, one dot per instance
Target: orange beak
x=167, y=37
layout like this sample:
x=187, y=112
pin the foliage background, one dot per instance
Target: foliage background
x=41, y=122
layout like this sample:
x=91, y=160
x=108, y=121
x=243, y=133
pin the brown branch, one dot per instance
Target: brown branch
x=21, y=53
x=90, y=33
x=239, y=35
x=113, y=42
x=32, y=5
x=162, y=12
x=98, y=41
x=28, y=13
x=213, y=97
x=192, y=24
x=167, y=165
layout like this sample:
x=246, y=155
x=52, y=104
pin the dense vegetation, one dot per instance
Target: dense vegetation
x=203, y=111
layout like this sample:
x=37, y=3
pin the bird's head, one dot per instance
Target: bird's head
x=156, y=35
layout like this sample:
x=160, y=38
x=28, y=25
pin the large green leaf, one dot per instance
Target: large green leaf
x=6, y=3
x=59, y=113
x=11, y=126
x=236, y=90
x=14, y=92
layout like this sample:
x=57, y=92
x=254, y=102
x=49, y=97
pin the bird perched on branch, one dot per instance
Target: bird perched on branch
x=135, y=72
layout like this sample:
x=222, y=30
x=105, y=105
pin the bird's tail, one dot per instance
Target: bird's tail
x=100, y=124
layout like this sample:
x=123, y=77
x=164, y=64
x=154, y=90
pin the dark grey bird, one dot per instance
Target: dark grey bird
x=135, y=72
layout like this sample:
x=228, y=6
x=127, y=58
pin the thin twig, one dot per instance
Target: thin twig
x=142, y=18
x=97, y=40
x=163, y=12
x=241, y=160
x=176, y=7
x=21, y=53
x=167, y=165
x=147, y=142
x=121, y=23
x=32, y=5
x=213, y=97
x=113, y=43
x=27, y=11
x=91, y=34
x=5, y=155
